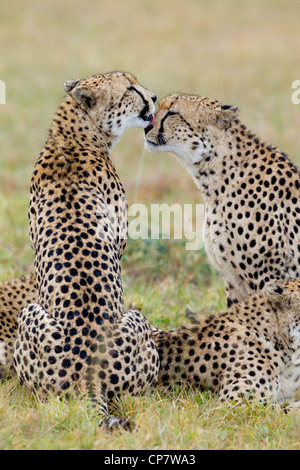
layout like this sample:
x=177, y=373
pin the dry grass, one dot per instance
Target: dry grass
x=241, y=52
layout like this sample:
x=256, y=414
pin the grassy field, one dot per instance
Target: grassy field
x=240, y=52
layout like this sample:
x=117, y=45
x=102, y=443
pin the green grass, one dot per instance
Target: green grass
x=239, y=52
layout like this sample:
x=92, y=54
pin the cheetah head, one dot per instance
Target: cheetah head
x=285, y=298
x=184, y=125
x=113, y=101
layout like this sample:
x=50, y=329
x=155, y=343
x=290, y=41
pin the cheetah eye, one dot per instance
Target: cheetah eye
x=170, y=113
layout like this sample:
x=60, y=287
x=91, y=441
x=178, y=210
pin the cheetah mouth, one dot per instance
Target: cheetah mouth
x=147, y=116
x=148, y=119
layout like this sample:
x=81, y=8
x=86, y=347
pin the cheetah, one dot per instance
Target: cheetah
x=250, y=190
x=76, y=335
x=250, y=351
x=14, y=296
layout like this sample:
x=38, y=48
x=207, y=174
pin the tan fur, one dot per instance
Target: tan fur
x=251, y=350
x=251, y=191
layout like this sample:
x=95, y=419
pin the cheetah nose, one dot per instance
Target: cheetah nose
x=154, y=98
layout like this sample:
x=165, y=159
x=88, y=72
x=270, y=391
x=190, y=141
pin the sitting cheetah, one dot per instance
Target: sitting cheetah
x=250, y=350
x=76, y=335
x=251, y=191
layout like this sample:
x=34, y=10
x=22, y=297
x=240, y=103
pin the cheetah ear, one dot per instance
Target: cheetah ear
x=84, y=96
x=226, y=114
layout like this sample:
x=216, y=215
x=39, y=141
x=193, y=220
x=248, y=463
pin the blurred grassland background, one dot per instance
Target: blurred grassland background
x=240, y=52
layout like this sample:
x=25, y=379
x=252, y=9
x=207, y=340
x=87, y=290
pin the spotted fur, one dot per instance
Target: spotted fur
x=252, y=350
x=14, y=296
x=76, y=334
x=251, y=191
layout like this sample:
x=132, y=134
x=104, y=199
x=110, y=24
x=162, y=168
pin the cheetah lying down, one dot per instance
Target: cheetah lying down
x=250, y=350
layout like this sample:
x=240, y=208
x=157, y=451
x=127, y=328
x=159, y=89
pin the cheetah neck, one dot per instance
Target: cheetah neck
x=225, y=162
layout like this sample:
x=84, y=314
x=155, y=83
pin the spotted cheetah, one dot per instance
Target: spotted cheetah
x=14, y=296
x=251, y=191
x=76, y=335
x=252, y=350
